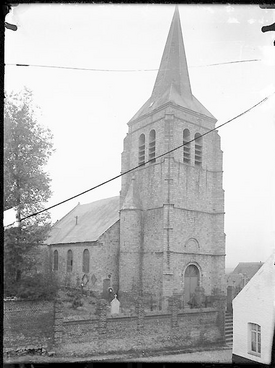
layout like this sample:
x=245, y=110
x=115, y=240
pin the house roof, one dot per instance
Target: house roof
x=261, y=286
x=173, y=83
x=247, y=268
x=86, y=222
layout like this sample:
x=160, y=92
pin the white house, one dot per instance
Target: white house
x=9, y=218
x=254, y=317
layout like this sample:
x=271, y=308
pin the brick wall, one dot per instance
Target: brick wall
x=42, y=324
x=173, y=329
x=28, y=324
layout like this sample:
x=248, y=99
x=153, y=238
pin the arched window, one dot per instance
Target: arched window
x=141, y=150
x=152, y=146
x=55, y=260
x=186, y=146
x=198, y=149
x=86, y=261
x=69, y=261
x=191, y=281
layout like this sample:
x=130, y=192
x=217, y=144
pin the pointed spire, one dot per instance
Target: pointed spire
x=173, y=82
x=173, y=68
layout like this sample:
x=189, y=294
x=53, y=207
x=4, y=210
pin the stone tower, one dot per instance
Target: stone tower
x=172, y=207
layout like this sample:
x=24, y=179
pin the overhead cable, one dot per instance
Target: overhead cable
x=146, y=162
x=122, y=70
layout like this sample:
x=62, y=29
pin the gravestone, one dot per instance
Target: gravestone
x=115, y=306
x=198, y=298
x=106, y=286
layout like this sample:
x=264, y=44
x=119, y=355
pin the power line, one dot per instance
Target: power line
x=85, y=69
x=229, y=62
x=146, y=162
x=122, y=70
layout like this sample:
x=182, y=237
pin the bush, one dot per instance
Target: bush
x=77, y=302
x=34, y=287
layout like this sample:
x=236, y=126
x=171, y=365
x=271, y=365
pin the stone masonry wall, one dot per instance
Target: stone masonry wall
x=180, y=201
x=42, y=324
x=172, y=329
x=103, y=261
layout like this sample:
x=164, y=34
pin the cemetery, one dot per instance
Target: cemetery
x=102, y=326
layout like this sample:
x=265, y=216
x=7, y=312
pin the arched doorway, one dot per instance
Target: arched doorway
x=191, y=281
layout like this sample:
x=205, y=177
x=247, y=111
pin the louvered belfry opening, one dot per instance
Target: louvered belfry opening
x=152, y=146
x=198, y=149
x=141, y=150
x=186, y=147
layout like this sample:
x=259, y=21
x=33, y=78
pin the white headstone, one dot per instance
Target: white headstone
x=115, y=305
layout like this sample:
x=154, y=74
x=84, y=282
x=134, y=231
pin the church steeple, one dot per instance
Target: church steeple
x=173, y=83
x=172, y=213
x=173, y=68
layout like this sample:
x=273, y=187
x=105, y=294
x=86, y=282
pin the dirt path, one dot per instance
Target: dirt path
x=222, y=355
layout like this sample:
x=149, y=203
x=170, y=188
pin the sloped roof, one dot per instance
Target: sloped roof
x=260, y=287
x=247, y=268
x=86, y=222
x=131, y=200
x=172, y=82
x=171, y=95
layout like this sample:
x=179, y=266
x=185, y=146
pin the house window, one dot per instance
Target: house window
x=198, y=149
x=254, y=331
x=152, y=146
x=86, y=261
x=69, y=261
x=186, y=146
x=141, y=150
x=55, y=260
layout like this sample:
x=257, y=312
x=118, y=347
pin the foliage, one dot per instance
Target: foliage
x=75, y=297
x=77, y=301
x=39, y=286
x=27, y=148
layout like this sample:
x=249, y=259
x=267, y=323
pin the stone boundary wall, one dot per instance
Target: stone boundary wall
x=175, y=329
x=42, y=324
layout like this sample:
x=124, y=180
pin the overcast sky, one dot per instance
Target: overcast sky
x=88, y=111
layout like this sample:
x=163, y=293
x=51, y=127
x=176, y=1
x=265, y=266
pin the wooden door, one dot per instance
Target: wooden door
x=191, y=281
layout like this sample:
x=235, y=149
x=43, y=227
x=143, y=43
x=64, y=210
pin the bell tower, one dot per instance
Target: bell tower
x=172, y=207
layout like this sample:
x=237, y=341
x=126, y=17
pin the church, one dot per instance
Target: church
x=164, y=233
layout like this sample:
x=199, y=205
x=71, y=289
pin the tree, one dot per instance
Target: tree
x=27, y=148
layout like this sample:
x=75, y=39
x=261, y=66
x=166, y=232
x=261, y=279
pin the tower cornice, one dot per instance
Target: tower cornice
x=172, y=104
